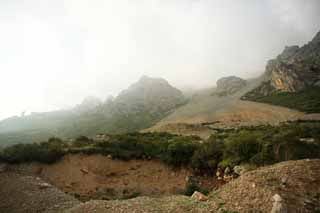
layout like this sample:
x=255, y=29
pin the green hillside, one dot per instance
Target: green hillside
x=307, y=100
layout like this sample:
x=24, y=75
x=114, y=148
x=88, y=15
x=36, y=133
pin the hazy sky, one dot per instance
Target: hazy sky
x=55, y=52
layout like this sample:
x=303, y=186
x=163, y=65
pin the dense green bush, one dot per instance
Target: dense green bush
x=251, y=145
x=46, y=152
x=180, y=151
x=307, y=100
x=82, y=141
x=207, y=156
x=241, y=147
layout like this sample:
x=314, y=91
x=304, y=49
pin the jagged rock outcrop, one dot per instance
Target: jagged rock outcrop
x=293, y=70
x=229, y=85
x=154, y=95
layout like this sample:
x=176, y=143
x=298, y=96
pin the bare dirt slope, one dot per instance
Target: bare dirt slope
x=296, y=182
x=99, y=177
x=224, y=111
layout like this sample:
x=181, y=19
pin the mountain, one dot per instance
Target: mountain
x=152, y=95
x=287, y=90
x=217, y=108
x=292, y=79
x=138, y=107
x=229, y=85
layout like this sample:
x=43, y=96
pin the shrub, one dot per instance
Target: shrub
x=193, y=186
x=206, y=158
x=82, y=141
x=180, y=151
x=241, y=147
x=46, y=152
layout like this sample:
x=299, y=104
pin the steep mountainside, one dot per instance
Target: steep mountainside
x=292, y=79
x=138, y=107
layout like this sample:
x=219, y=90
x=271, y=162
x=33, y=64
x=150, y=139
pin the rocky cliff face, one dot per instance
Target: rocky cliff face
x=229, y=85
x=293, y=70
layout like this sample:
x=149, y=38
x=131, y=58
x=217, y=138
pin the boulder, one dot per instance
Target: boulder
x=84, y=171
x=239, y=170
x=278, y=205
x=227, y=171
x=44, y=185
x=198, y=196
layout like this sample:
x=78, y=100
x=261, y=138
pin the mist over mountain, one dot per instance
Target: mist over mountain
x=140, y=106
x=56, y=53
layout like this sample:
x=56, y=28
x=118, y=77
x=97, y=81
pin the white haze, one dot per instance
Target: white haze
x=53, y=53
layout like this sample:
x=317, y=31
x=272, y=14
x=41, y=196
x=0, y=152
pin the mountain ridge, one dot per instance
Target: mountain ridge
x=135, y=108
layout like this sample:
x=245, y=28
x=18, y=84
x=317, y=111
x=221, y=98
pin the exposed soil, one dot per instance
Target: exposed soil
x=297, y=182
x=252, y=192
x=19, y=194
x=187, y=120
x=99, y=177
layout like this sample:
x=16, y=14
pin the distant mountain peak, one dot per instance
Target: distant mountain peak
x=151, y=94
x=146, y=79
x=229, y=85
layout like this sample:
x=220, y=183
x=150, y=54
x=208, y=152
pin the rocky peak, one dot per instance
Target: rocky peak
x=151, y=94
x=293, y=70
x=229, y=85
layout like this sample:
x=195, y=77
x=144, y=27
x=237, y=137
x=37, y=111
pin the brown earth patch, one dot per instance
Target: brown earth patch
x=99, y=177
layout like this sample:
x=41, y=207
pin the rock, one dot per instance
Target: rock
x=44, y=185
x=85, y=171
x=227, y=171
x=198, y=196
x=284, y=181
x=239, y=170
x=278, y=205
x=227, y=178
x=109, y=156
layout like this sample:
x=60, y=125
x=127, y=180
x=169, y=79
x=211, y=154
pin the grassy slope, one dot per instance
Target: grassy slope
x=307, y=100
